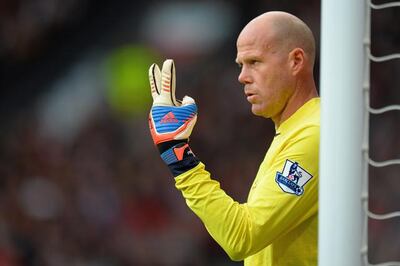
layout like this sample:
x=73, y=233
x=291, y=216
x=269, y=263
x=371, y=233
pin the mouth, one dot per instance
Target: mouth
x=250, y=96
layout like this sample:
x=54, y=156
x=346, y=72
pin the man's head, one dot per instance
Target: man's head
x=276, y=52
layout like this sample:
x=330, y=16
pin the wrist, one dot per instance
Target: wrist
x=179, y=158
x=164, y=146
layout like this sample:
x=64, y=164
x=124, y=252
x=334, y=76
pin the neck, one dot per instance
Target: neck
x=304, y=91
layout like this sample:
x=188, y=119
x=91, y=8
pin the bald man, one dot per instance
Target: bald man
x=278, y=223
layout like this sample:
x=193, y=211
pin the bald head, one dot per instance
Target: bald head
x=283, y=30
x=276, y=52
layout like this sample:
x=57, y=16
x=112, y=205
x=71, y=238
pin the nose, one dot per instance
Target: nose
x=244, y=76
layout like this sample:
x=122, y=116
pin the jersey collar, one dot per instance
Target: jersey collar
x=303, y=112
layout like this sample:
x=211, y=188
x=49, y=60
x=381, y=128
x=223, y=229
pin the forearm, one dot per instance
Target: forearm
x=228, y=222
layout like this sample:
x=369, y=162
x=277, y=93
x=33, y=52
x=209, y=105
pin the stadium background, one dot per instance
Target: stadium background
x=80, y=180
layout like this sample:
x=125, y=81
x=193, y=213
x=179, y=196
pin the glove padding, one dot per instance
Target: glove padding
x=171, y=121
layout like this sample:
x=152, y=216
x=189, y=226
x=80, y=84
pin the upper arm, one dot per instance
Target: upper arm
x=278, y=205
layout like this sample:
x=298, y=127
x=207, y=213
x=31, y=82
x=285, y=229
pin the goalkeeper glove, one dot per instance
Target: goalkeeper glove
x=171, y=121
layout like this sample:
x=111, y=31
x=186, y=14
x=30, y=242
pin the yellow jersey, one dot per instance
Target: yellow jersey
x=278, y=225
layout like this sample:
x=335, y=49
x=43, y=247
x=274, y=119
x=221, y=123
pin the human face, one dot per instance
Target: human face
x=265, y=73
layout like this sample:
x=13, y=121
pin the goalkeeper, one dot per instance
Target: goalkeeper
x=278, y=223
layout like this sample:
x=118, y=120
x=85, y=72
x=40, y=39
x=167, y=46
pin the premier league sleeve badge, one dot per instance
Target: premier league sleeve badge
x=293, y=178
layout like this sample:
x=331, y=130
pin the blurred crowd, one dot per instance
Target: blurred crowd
x=81, y=183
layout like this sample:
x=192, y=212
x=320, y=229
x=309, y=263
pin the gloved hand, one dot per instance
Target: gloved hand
x=171, y=121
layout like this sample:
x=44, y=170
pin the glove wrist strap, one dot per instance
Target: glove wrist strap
x=180, y=158
x=177, y=153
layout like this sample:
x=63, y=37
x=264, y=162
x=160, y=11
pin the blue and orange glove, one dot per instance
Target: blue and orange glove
x=171, y=121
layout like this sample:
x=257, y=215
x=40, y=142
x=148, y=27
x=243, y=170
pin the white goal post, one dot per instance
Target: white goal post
x=341, y=86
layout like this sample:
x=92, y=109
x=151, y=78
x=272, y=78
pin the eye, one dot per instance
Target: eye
x=253, y=61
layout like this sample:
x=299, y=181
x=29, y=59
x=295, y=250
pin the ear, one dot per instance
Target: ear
x=297, y=60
